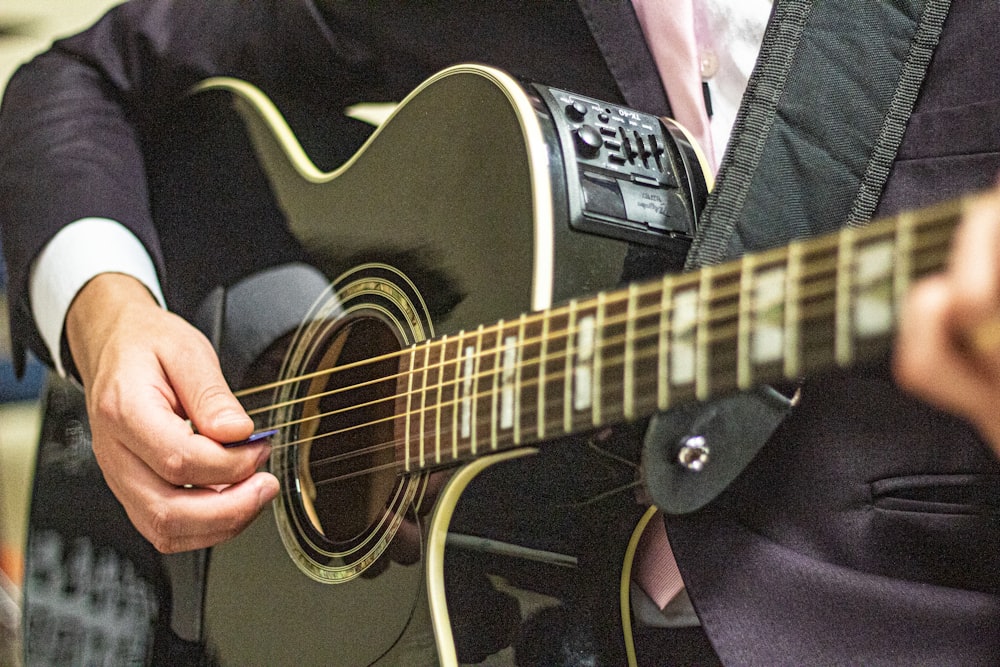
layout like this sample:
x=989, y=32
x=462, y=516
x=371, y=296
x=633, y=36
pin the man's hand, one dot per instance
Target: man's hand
x=948, y=350
x=145, y=371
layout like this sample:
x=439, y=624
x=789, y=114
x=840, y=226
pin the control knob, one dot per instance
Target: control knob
x=588, y=141
x=576, y=111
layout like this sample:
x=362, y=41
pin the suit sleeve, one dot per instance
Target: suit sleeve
x=73, y=120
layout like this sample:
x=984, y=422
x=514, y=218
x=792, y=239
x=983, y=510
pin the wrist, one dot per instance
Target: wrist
x=94, y=313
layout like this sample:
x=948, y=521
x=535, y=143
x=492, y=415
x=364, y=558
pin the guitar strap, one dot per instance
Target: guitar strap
x=820, y=123
x=814, y=140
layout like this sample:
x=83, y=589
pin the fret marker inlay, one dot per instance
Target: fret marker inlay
x=873, y=311
x=507, y=382
x=683, y=325
x=467, y=368
x=583, y=369
x=768, y=337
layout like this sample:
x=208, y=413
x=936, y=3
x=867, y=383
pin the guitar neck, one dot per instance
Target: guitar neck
x=621, y=355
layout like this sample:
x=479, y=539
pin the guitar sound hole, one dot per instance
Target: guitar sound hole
x=348, y=467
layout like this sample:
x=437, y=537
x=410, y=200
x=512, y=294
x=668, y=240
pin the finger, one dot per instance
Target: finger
x=973, y=284
x=148, y=426
x=181, y=379
x=195, y=376
x=179, y=519
x=984, y=338
x=974, y=266
x=931, y=363
x=198, y=518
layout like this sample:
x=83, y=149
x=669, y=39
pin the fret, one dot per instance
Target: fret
x=613, y=369
x=683, y=329
x=769, y=329
x=597, y=359
x=583, y=357
x=875, y=303
x=530, y=366
x=702, y=334
x=437, y=358
x=568, y=372
x=518, y=367
x=642, y=339
x=465, y=366
x=499, y=372
x=448, y=398
x=903, y=265
x=793, y=331
x=682, y=364
x=482, y=391
x=470, y=366
x=744, y=369
x=408, y=457
x=579, y=365
x=454, y=364
x=843, y=318
x=509, y=375
x=663, y=349
x=629, y=370
x=428, y=365
x=583, y=363
x=433, y=361
x=542, y=376
x=932, y=230
x=874, y=306
x=557, y=334
x=762, y=319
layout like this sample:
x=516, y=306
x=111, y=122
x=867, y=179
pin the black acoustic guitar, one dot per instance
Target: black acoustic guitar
x=424, y=410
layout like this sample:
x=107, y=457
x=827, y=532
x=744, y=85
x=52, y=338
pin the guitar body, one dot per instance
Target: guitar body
x=454, y=214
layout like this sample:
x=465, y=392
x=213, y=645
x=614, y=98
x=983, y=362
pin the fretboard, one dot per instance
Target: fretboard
x=624, y=354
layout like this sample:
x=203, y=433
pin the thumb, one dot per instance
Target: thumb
x=207, y=400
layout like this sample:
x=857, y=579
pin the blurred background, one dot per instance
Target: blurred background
x=27, y=27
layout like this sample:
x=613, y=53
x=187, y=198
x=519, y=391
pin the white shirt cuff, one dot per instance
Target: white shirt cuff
x=80, y=251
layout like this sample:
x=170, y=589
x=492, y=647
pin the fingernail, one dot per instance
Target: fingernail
x=266, y=492
x=227, y=417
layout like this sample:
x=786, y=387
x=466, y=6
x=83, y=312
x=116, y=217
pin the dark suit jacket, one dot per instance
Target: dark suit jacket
x=864, y=533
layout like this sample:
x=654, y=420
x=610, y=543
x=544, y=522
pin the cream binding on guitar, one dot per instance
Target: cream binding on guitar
x=459, y=206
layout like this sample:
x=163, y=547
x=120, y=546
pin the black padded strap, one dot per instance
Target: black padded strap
x=820, y=124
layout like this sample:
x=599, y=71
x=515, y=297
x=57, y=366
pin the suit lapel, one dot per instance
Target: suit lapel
x=618, y=34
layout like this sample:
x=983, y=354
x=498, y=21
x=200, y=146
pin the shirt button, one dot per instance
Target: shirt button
x=709, y=64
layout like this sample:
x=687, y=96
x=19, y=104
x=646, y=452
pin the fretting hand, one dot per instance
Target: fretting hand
x=948, y=350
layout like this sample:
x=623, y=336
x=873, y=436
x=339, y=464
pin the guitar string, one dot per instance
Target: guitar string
x=729, y=291
x=613, y=389
x=722, y=335
x=642, y=290
x=450, y=443
x=392, y=444
x=717, y=335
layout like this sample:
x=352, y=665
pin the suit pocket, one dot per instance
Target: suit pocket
x=958, y=494
x=936, y=528
x=966, y=130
